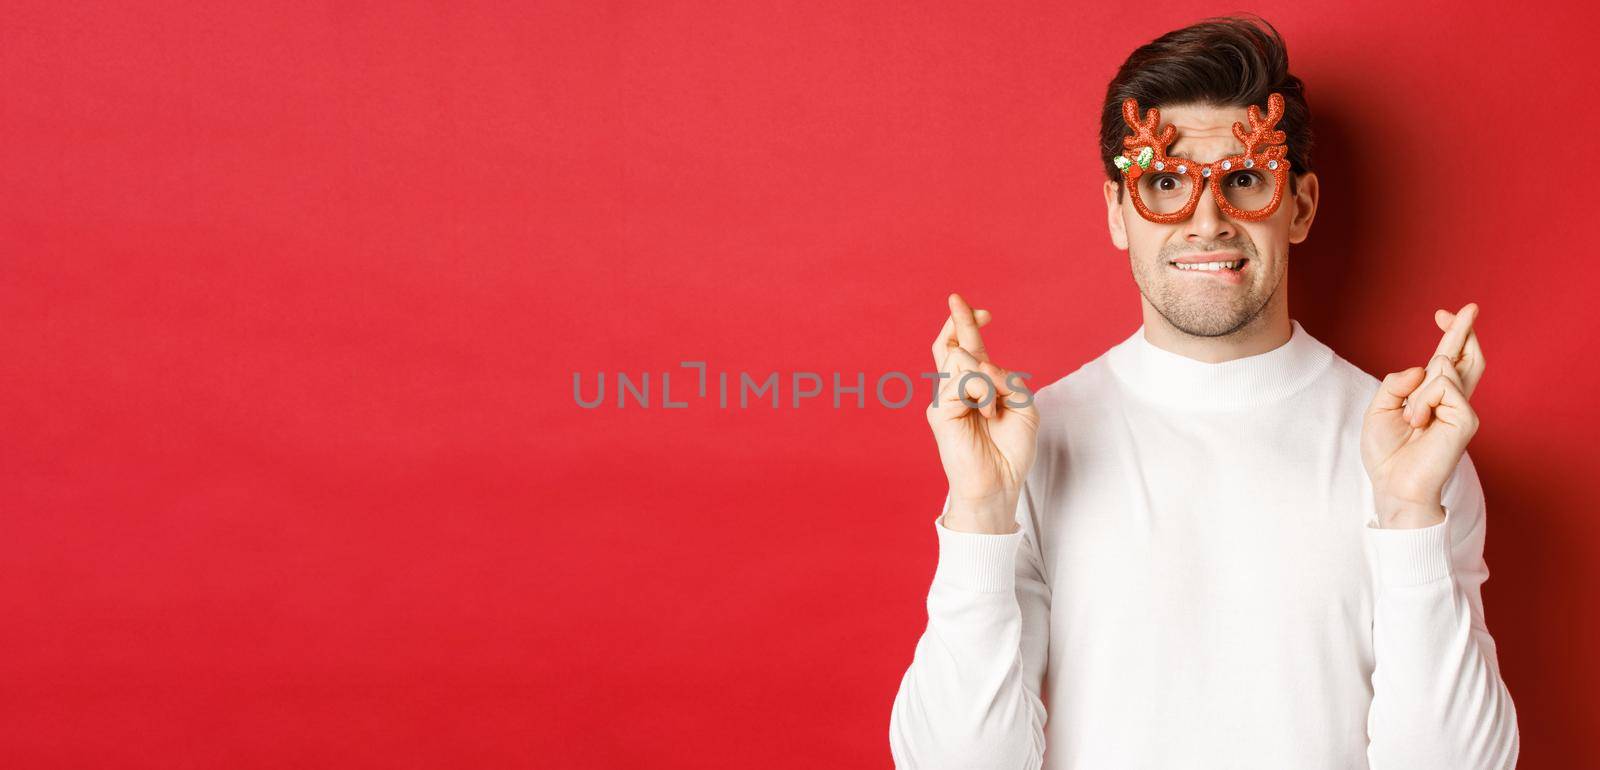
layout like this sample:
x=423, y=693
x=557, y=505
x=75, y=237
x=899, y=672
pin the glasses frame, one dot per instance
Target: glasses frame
x=1146, y=153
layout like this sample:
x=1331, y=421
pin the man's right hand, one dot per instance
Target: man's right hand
x=986, y=451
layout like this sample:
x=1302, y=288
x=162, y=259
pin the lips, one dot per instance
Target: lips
x=1209, y=256
x=1223, y=265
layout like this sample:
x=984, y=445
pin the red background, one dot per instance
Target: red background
x=291, y=471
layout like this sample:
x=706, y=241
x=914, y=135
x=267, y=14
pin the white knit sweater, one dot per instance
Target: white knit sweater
x=1198, y=582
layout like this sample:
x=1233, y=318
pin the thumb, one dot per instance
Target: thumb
x=1016, y=398
x=1394, y=389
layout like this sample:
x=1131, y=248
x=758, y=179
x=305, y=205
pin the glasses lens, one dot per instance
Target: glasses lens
x=1165, y=192
x=1248, y=190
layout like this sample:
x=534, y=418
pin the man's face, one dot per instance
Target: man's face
x=1203, y=302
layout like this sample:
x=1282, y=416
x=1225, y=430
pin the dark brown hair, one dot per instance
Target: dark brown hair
x=1225, y=61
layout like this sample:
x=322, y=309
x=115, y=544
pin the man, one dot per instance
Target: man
x=1219, y=544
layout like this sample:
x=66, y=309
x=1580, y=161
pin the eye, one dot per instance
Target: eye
x=1166, y=183
x=1246, y=179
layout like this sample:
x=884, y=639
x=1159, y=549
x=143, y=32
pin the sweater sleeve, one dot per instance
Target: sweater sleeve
x=1437, y=697
x=970, y=698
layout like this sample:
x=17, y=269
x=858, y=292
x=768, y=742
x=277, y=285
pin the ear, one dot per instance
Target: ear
x=1305, y=207
x=1119, y=233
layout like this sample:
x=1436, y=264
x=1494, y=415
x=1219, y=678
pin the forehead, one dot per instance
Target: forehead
x=1205, y=131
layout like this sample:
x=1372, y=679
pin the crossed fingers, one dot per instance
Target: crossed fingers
x=959, y=350
x=961, y=330
x=1468, y=353
x=1451, y=375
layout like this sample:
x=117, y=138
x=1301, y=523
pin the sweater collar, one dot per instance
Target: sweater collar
x=1174, y=380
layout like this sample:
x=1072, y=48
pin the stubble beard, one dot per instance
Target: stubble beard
x=1205, y=311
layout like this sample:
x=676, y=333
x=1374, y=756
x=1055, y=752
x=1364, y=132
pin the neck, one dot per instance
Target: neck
x=1267, y=331
x=1175, y=380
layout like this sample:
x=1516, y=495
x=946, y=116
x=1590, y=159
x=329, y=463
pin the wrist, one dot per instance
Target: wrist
x=993, y=515
x=1407, y=514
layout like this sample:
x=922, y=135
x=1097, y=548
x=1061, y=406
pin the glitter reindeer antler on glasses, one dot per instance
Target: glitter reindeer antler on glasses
x=1262, y=131
x=1144, y=143
x=1165, y=189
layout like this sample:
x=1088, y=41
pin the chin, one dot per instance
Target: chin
x=1199, y=318
x=1220, y=328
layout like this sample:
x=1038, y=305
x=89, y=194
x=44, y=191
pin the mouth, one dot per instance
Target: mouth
x=1225, y=266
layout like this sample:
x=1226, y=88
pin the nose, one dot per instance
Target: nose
x=1208, y=222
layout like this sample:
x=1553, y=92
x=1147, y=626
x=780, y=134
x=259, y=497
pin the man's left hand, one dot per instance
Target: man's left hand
x=1419, y=423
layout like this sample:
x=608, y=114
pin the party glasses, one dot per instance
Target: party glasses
x=1165, y=188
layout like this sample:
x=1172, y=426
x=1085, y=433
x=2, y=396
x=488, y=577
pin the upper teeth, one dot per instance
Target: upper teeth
x=1233, y=265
